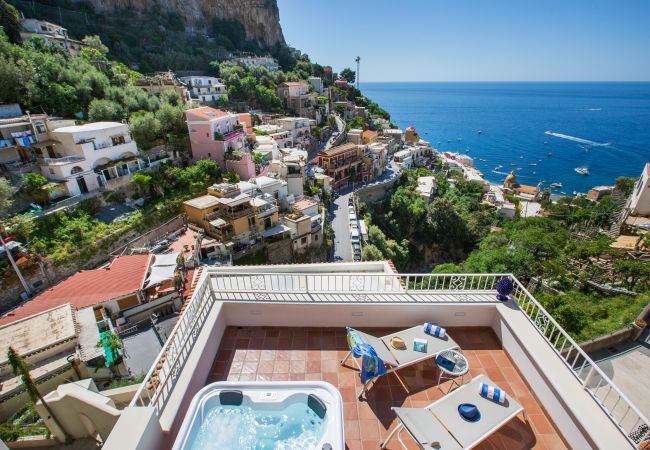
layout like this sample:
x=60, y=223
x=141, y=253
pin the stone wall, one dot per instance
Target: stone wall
x=376, y=192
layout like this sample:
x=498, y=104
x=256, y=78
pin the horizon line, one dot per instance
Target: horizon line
x=506, y=81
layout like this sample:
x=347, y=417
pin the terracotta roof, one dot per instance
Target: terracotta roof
x=339, y=149
x=304, y=203
x=370, y=134
x=85, y=288
x=205, y=113
x=527, y=189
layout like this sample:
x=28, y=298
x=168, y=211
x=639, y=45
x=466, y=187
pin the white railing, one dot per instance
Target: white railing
x=161, y=378
x=634, y=425
x=62, y=160
x=159, y=382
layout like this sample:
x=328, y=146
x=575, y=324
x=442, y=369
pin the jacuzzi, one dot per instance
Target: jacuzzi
x=273, y=415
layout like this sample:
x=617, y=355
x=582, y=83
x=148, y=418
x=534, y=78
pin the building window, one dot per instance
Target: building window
x=40, y=128
x=51, y=172
x=303, y=240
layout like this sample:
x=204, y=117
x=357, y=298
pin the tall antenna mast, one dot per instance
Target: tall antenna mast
x=358, y=60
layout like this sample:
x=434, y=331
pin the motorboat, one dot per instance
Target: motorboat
x=556, y=185
x=582, y=170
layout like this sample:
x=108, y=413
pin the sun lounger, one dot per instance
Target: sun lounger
x=398, y=359
x=440, y=425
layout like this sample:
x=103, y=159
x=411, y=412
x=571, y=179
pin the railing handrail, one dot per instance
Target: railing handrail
x=191, y=323
x=587, y=361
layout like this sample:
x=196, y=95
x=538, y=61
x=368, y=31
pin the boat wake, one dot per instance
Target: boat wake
x=579, y=140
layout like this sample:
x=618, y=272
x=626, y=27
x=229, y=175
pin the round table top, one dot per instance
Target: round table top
x=461, y=367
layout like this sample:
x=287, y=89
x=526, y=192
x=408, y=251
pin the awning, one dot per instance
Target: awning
x=218, y=223
x=278, y=229
x=162, y=269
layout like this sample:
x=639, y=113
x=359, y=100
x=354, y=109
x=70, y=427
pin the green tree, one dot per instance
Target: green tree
x=95, y=43
x=171, y=119
x=20, y=368
x=34, y=185
x=370, y=252
x=105, y=110
x=7, y=192
x=145, y=129
x=143, y=183
x=348, y=75
x=172, y=97
x=632, y=272
x=625, y=185
x=10, y=21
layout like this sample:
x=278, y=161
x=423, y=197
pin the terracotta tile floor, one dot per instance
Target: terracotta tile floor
x=273, y=353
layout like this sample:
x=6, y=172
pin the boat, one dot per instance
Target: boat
x=545, y=143
x=448, y=141
x=459, y=139
x=532, y=164
x=479, y=132
x=556, y=185
x=582, y=170
x=549, y=154
x=498, y=167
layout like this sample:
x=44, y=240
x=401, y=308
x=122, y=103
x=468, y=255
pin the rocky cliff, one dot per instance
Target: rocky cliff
x=259, y=18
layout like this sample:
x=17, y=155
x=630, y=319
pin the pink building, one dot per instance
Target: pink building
x=214, y=134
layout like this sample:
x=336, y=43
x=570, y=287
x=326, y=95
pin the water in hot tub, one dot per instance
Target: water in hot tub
x=295, y=427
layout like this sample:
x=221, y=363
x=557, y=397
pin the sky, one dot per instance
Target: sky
x=473, y=40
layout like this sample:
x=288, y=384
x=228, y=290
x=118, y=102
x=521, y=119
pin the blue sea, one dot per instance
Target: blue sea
x=604, y=127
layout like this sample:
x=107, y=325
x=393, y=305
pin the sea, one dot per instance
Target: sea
x=542, y=131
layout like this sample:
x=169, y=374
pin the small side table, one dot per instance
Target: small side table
x=460, y=369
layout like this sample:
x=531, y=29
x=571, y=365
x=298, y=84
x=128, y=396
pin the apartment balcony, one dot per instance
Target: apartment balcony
x=229, y=215
x=60, y=161
x=288, y=323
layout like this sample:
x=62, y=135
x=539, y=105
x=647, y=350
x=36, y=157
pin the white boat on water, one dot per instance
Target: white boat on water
x=582, y=170
x=556, y=185
x=532, y=164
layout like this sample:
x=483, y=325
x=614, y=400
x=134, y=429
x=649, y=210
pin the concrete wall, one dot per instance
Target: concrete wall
x=137, y=429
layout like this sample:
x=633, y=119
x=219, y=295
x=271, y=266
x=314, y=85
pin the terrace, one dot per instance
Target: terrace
x=287, y=322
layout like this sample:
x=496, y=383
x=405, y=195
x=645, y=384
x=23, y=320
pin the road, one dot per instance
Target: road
x=340, y=218
x=340, y=126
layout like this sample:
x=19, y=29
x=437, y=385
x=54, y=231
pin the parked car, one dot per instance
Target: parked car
x=354, y=236
x=350, y=201
x=351, y=210
x=353, y=217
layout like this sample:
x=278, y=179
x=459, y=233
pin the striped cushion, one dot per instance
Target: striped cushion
x=434, y=330
x=492, y=392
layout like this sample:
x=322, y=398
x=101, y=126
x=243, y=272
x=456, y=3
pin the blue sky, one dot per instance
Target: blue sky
x=472, y=40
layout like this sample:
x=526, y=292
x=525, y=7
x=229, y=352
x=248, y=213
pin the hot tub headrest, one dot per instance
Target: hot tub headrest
x=231, y=397
x=316, y=405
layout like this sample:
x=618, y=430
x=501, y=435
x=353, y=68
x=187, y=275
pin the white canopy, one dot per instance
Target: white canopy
x=162, y=269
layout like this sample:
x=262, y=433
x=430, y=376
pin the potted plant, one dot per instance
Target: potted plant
x=638, y=325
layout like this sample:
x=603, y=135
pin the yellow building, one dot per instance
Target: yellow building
x=230, y=215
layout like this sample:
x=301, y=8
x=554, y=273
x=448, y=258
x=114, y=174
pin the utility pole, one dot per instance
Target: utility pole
x=13, y=263
x=358, y=60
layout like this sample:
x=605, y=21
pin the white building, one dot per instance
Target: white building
x=86, y=157
x=403, y=159
x=317, y=84
x=205, y=89
x=283, y=137
x=51, y=33
x=639, y=202
x=274, y=187
x=299, y=128
x=427, y=188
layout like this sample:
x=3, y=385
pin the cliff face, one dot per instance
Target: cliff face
x=259, y=18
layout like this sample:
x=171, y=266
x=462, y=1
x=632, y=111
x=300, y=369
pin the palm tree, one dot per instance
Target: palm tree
x=19, y=367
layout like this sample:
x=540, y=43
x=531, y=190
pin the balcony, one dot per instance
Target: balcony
x=228, y=136
x=60, y=161
x=287, y=322
x=229, y=215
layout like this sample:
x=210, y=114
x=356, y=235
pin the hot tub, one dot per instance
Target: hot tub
x=273, y=415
